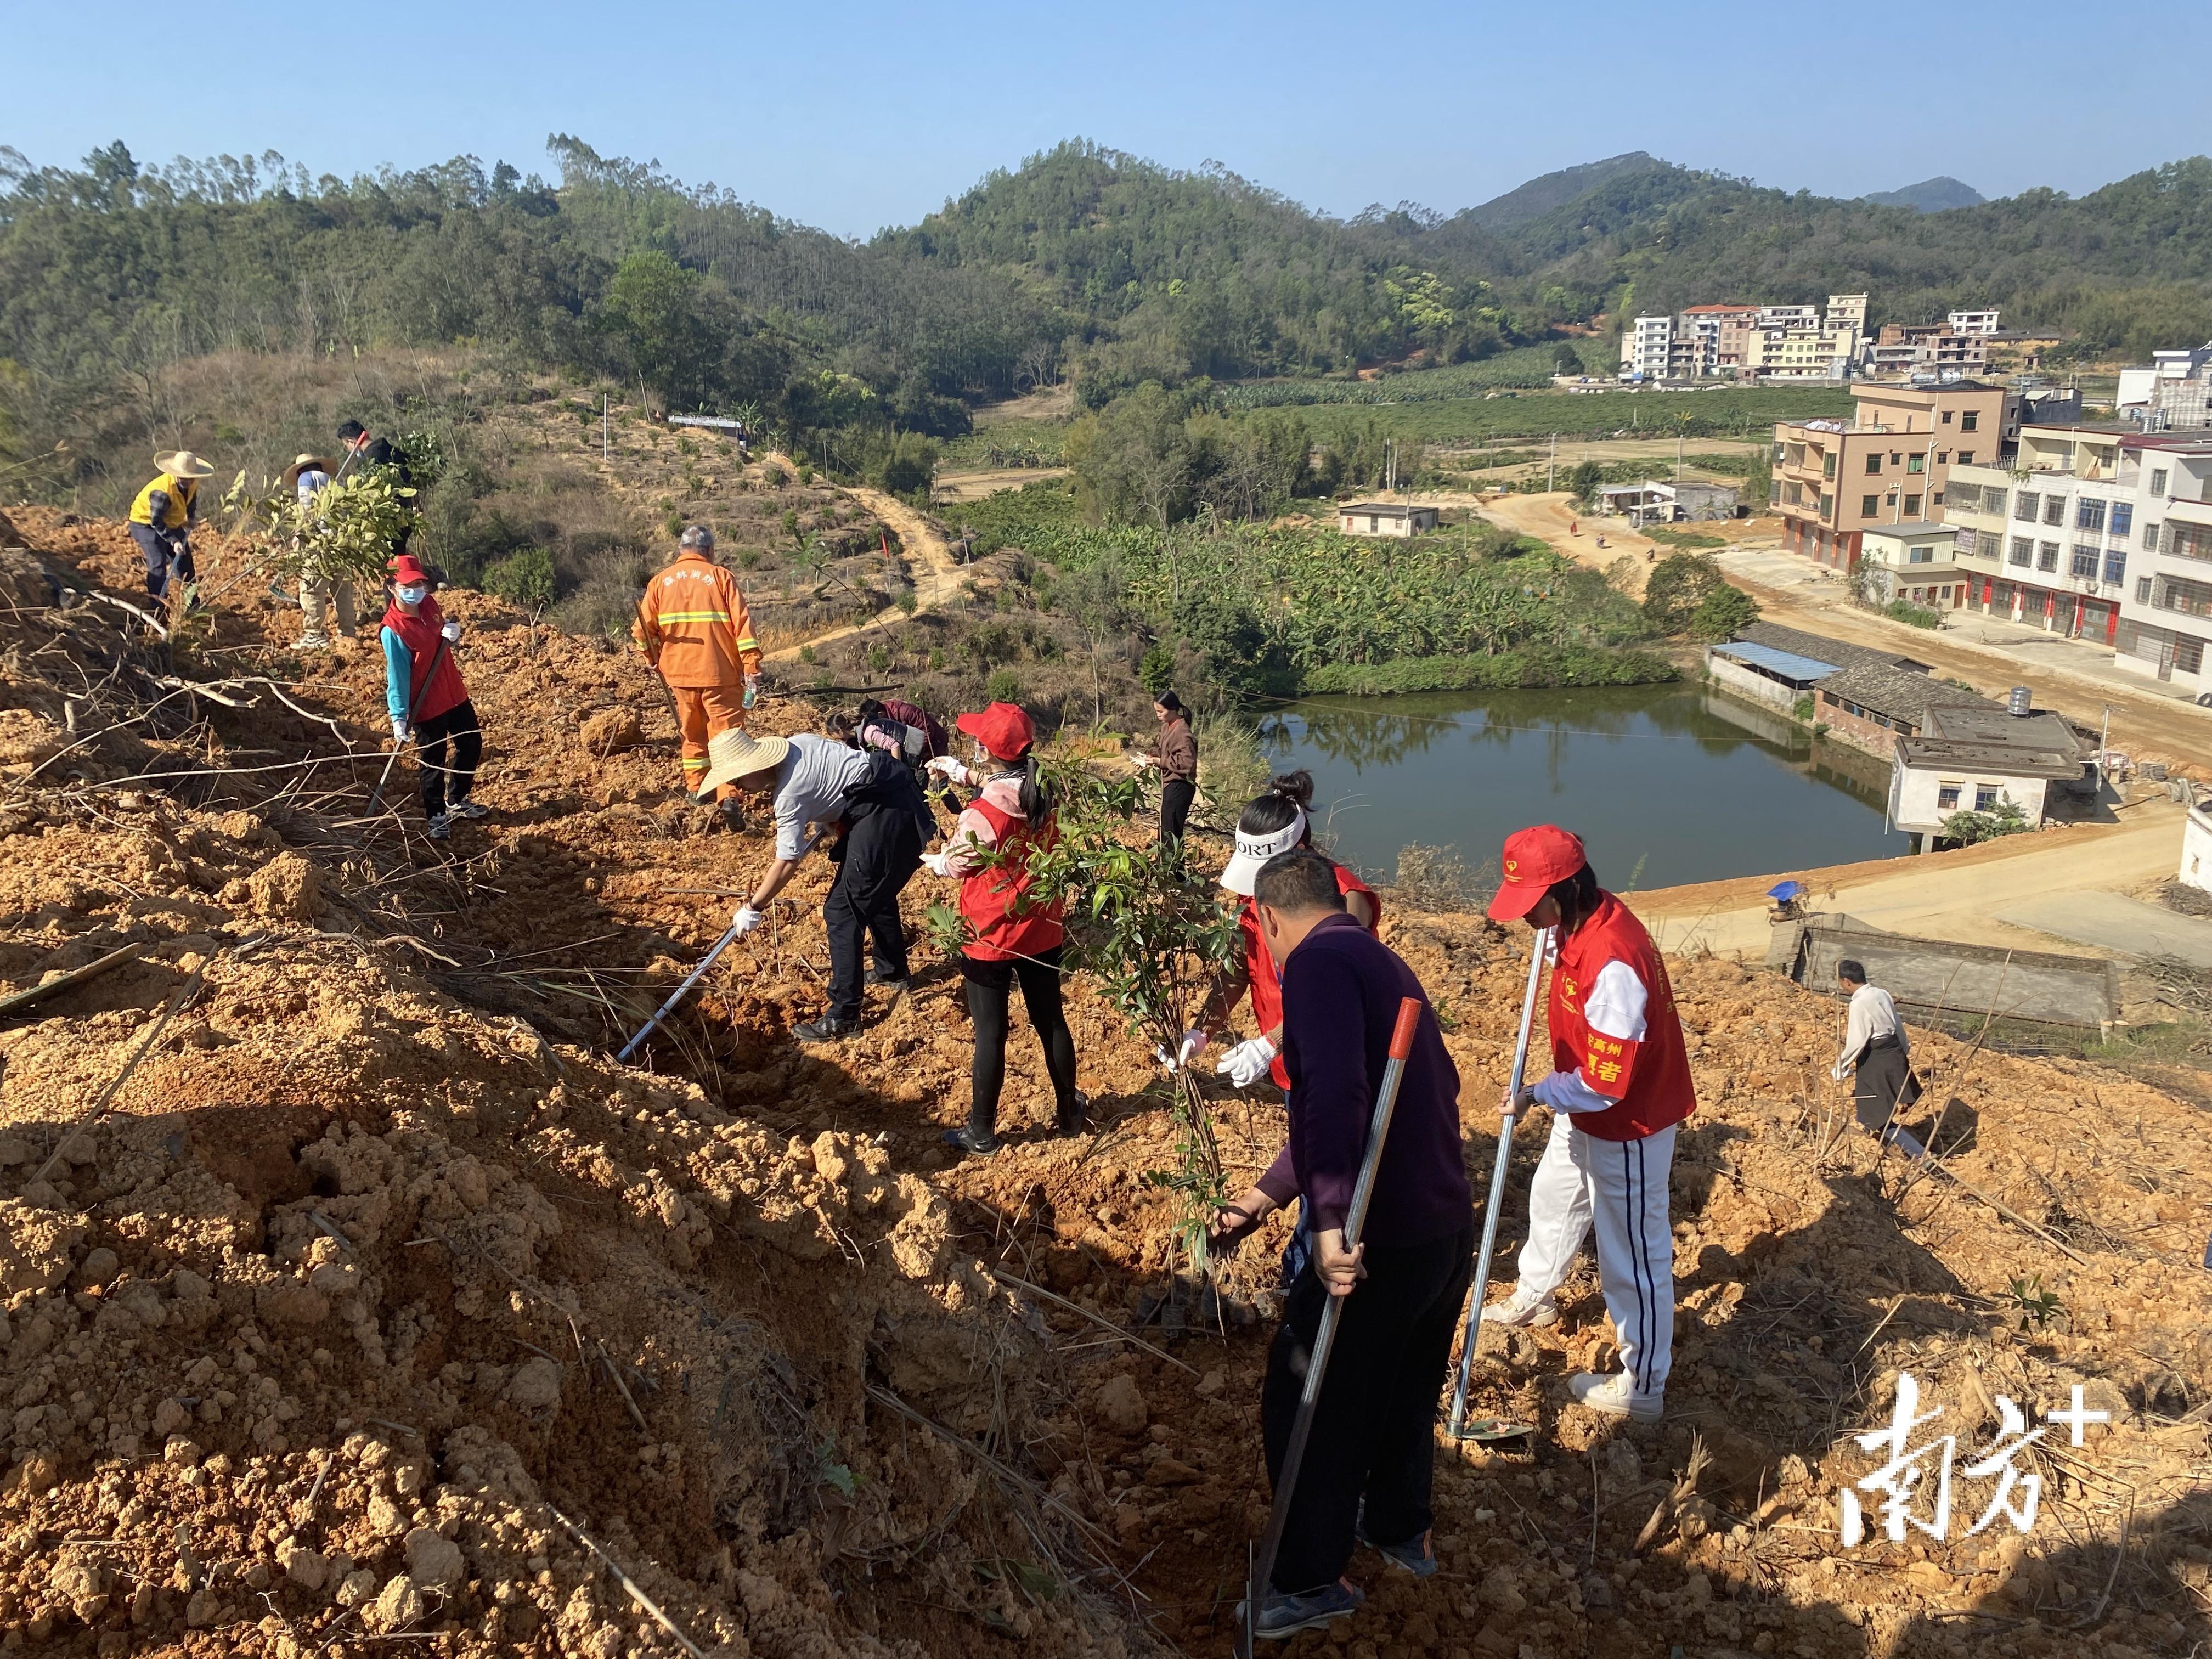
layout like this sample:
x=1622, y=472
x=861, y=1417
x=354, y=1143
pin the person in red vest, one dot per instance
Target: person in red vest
x=1272, y=822
x=1621, y=1084
x=423, y=690
x=1012, y=939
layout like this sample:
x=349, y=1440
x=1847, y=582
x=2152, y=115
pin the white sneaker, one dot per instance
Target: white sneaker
x=1522, y=1307
x=1610, y=1396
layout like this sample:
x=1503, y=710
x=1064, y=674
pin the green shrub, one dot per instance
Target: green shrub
x=906, y=602
x=1156, y=672
x=1004, y=686
x=1802, y=708
x=1723, y=613
x=525, y=578
x=1678, y=584
x=1536, y=667
x=2007, y=818
x=1913, y=615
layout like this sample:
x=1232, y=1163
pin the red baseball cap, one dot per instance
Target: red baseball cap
x=1002, y=728
x=1533, y=860
x=406, y=572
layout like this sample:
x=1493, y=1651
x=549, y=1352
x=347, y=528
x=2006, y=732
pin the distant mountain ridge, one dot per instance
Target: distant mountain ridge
x=1937, y=195
x=1540, y=195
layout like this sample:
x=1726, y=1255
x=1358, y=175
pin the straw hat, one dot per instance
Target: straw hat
x=183, y=464
x=306, y=463
x=734, y=754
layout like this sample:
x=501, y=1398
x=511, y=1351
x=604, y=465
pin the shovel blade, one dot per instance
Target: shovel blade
x=1488, y=1430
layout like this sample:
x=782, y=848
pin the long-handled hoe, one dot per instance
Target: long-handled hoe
x=1385, y=1101
x=1486, y=1428
x=376, y=794
x=677, y=996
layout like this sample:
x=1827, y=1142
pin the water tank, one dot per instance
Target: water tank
x=2022, y=703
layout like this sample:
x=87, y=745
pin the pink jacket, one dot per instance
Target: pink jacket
x=974, y=834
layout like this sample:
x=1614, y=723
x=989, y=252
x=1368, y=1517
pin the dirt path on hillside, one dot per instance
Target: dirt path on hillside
x=929, y=561
x=1952, y=896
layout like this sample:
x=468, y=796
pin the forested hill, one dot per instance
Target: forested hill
x=1082, y=261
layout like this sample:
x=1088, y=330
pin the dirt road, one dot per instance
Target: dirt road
x=1951, y=896
x=929, y=561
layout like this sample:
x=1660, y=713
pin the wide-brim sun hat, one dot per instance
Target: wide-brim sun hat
x=734, y=754
x=306, y=463
x=183, y=464
x=1533, y=860
x=1242, y=870
x=1003, y=729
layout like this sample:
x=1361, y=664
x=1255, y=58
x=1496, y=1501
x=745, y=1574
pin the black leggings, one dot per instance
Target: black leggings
x=1176, y=795
x=989, y=985
x=458, y=723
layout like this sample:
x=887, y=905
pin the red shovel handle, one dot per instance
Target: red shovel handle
x=1409, y=1017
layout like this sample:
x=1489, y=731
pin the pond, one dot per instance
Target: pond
x=1665, y=784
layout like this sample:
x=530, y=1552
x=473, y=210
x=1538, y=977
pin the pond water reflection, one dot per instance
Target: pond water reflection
x=1665, y=784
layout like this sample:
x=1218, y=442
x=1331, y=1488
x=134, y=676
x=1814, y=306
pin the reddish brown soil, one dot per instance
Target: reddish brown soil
x=378, y=1261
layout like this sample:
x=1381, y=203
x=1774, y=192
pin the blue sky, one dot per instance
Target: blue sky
x=860, y=115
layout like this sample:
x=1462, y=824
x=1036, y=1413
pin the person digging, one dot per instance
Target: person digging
x=868, y=806
x=1620, y=1085
x=162, y=518
x=428, y=701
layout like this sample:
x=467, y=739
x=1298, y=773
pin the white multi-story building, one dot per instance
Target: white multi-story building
x=1644, y=345
x=2097, y=532
x=1972, y=322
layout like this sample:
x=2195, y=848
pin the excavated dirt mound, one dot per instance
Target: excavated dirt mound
x=376, y=1289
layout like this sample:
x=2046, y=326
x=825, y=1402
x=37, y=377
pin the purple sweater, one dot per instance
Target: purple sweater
x=1341, y=992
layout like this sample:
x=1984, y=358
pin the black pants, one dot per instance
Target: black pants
x=882, y=851
x=1882, y=1084
x=440, y=782
x=1374, y=1422
x=1175, y=797
x=990, y=985
x=158, y=551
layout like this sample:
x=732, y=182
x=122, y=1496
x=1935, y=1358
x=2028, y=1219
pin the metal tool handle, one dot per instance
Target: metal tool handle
x=1386, y=1103
x=677, y=995
x=377, y=794
x=1496, y=1200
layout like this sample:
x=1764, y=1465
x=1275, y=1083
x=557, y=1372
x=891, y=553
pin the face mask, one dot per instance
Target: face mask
x=413, y=595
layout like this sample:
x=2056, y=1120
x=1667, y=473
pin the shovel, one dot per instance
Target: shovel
x=677, y=996
x=1487, y=1428
x=1385, y=1101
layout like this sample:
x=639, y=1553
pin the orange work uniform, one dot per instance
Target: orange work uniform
x=694, y=627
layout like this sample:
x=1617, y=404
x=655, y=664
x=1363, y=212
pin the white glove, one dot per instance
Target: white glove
x=1186, y=1051
x=399, y=732
x=452, y=631
x=947, y=767
x=934, y=863
x=752, y=689
x=745, y=920
x=1247, y=1063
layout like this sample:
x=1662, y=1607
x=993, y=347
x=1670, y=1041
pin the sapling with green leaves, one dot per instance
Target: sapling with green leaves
x=1156, y=944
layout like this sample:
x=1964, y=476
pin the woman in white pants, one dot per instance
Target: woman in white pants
x=1619, y=1085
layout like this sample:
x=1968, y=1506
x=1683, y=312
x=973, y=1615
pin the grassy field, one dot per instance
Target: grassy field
x=1468, y=421
x=1524, y=367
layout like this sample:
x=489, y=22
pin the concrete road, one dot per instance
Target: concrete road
x=1962, y=896
x=2112, y=922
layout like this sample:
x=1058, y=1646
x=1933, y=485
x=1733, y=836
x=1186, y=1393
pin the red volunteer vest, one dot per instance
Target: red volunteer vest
x=1260, y=967
x=993, y=900
x=1652, y=1076
x=434, y=692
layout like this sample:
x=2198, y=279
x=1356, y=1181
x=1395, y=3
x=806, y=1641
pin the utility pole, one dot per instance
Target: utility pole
x=1679, y=437
x=603, y=428
x=1552, y=467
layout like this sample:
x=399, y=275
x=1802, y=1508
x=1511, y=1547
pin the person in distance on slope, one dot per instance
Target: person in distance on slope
x=1272, y=822
x=1012, y=813
x=1877, y=1056
x=423, y=690
x=1621, y=1084
x=697, y=636
x=162, y=516
x=1178, y=763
